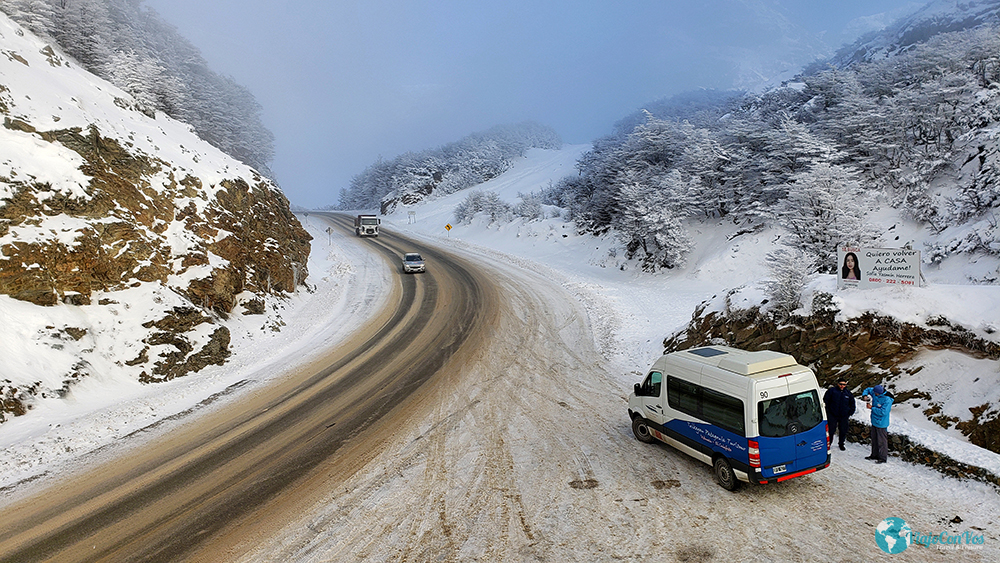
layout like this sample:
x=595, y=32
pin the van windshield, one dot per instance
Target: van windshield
x=784, y=416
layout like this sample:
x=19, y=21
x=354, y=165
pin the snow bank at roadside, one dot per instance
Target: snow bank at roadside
x=346, y=282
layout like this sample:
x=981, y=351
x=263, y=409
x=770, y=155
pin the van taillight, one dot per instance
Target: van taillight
x=826, y=426
x=754, y=450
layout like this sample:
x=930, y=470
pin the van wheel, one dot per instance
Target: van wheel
x=641, y=431
x=724, y=474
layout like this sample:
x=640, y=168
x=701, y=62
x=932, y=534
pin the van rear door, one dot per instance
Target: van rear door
x=811, y=448
x=777, y=449
x=791, y=433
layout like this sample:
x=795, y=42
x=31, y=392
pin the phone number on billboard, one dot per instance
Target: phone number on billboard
x=880, y=280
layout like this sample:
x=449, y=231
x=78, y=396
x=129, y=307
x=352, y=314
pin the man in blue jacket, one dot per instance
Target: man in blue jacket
x=880, y=402
x=839, y=407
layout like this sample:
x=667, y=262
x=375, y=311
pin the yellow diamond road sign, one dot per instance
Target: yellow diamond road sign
x=448, y=226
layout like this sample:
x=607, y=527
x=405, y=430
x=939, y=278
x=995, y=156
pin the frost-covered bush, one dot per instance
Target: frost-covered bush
x=530, y=207
x=488, y=203
x=499, y=211
x=790, y=269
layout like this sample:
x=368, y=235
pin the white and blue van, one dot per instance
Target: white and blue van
x=755, y=417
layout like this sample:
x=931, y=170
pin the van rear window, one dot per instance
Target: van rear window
x=788, y=415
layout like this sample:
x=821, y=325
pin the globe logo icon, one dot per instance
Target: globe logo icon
x=893, y=535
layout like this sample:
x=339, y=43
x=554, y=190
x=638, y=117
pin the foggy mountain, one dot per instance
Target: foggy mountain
x=936, y=17
x=779, y=50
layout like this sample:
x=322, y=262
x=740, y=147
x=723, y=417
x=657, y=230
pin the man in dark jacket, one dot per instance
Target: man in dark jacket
x=839, y=407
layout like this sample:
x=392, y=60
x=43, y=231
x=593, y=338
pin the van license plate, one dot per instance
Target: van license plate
x=779, y=469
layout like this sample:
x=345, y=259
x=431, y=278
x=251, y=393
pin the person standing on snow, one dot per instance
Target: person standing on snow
x=880, y=402
x=839, y=407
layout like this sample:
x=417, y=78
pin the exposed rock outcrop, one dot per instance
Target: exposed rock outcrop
x=122, y=233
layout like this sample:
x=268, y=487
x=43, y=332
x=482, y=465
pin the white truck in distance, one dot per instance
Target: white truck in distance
x=366, y=225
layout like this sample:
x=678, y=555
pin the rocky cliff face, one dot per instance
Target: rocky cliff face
x=122, y=228
x=102, y=206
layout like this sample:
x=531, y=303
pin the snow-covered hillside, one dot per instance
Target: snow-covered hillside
x=124, y=238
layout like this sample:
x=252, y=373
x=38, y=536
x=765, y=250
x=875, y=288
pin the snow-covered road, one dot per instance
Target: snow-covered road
x=526, y=454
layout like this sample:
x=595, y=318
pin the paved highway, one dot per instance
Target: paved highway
x=211, y=481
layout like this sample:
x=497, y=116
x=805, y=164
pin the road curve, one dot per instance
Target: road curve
x=198, y=489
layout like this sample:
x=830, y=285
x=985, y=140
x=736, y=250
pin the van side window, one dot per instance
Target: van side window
x=682, y=395
x=709, y=405
x=651, y=385
x=722, y=410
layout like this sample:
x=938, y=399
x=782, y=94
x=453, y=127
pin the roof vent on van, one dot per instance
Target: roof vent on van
x=756, y=362
x=707, y=352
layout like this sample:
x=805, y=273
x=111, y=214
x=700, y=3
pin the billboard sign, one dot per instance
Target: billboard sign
x=873, y=267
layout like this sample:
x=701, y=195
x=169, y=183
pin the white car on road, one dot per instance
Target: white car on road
x=413, y=262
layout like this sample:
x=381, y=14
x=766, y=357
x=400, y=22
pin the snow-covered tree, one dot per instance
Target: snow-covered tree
x=36, y=15
x=826, y=208
x=82, y=28
x=137, y=76
x=792, y=148
x=648, y=227
x=790, y=269
x=707, y=163
x=488, y=203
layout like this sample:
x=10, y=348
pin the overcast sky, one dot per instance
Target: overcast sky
x=345, y=82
